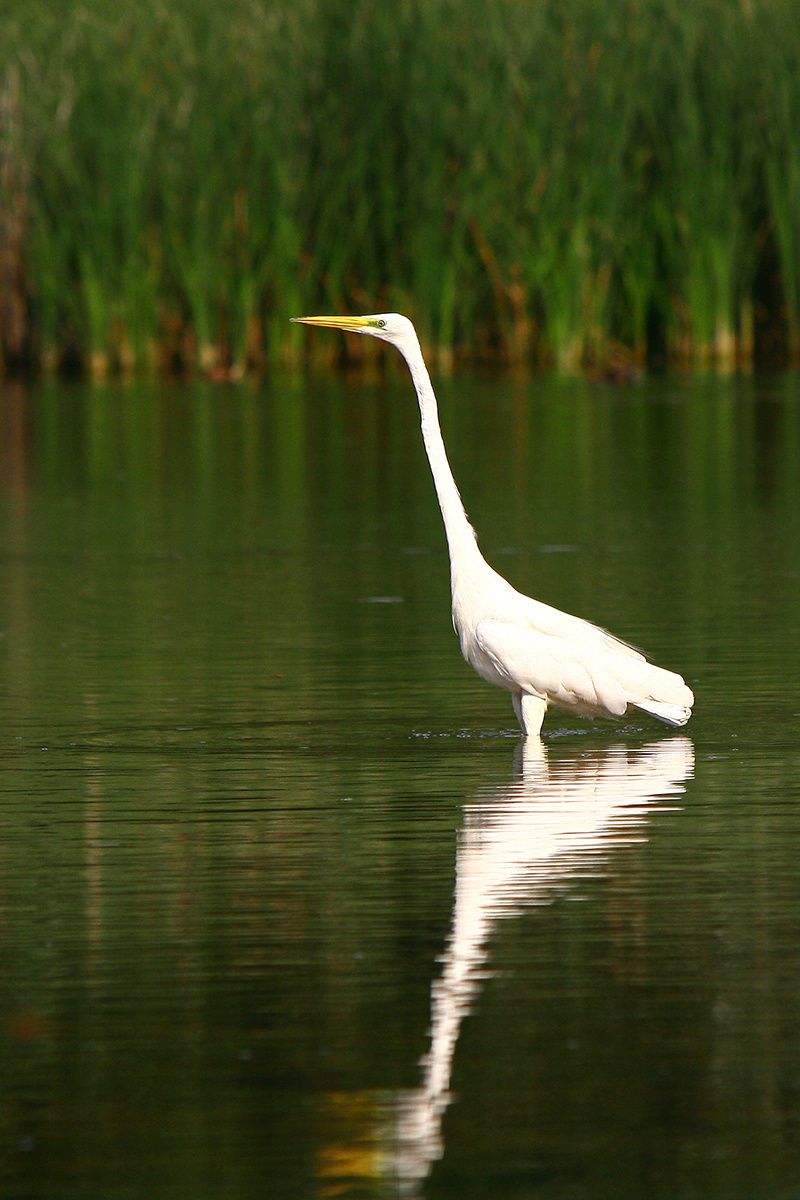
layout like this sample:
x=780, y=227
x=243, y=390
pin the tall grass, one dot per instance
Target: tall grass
x=572, y=182
x=779, y=113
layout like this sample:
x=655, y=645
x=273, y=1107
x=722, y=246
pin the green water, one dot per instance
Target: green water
x=284, y=912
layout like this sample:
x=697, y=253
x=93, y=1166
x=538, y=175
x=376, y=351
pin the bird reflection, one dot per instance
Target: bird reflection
x=520, y=845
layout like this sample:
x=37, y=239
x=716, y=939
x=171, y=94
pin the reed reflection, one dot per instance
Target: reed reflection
x=519, y=846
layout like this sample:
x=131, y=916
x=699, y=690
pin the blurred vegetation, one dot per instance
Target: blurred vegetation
x=567, y=182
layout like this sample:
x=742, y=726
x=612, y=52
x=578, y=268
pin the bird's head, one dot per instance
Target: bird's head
x=391, y=327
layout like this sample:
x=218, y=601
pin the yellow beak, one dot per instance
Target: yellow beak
x=351, y=324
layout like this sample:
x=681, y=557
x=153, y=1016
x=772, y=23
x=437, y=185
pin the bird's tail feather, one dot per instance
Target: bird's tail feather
x=672, y=714
x=662, y=693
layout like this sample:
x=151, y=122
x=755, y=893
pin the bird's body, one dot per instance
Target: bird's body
x=539, y=654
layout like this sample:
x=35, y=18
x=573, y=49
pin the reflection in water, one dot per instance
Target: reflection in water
x=222, y=874
x=517, y=846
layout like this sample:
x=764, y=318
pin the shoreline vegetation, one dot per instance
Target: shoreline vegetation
x=599, y=185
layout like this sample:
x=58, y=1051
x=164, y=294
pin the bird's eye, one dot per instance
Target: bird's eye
x=381, y=324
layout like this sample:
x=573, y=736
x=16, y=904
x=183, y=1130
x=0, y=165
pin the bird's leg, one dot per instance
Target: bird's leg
x=530, y=712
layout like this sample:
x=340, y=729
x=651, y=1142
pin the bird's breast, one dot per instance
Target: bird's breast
x=475, y=655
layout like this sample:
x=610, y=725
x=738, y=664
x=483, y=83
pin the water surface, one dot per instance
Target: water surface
x=285, y=910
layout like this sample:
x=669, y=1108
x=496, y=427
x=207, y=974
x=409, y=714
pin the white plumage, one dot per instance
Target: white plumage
x=539, y=654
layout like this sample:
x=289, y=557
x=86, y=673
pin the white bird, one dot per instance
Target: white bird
x=539, y=654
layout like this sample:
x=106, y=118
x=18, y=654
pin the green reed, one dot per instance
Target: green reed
x=578, y=182
x=779, y=114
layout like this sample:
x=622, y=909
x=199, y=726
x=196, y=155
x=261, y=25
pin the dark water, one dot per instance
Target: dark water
x=284, y=910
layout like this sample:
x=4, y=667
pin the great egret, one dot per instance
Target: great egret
x=539, y=654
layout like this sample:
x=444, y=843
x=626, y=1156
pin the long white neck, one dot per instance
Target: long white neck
x=461, y=539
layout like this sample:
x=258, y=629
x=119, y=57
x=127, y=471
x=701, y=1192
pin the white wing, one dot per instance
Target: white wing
x=575, y=664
